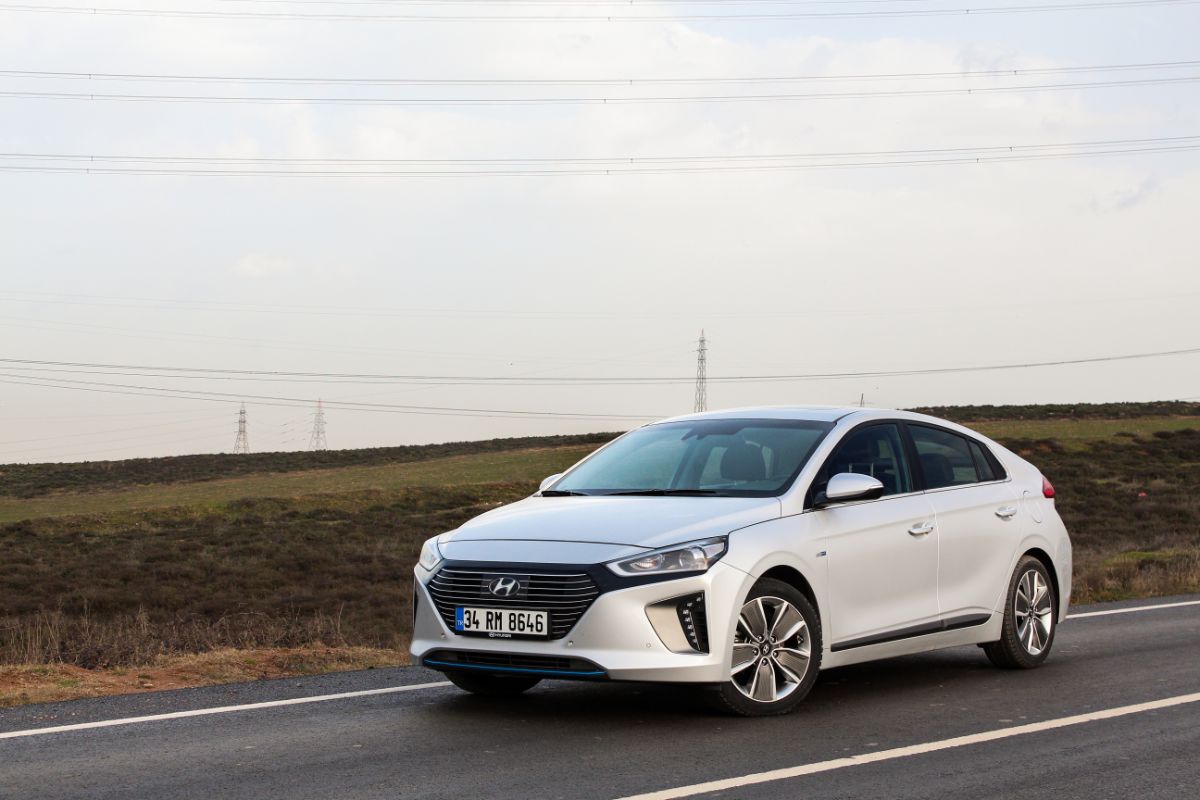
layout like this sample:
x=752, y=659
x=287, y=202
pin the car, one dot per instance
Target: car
x=743, y=551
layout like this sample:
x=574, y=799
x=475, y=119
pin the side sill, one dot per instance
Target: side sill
x=951, y=624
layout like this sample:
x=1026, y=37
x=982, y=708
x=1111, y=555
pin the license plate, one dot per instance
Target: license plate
x=501, y=622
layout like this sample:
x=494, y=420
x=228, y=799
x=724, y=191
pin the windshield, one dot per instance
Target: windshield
x=721, y=457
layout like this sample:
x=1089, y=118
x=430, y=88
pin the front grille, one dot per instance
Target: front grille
x=565, y=595
x=514, y=662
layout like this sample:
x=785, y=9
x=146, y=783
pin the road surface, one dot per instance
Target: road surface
x=1114, y=713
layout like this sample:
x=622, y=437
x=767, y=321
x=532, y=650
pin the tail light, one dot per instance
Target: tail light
x=1047, y=488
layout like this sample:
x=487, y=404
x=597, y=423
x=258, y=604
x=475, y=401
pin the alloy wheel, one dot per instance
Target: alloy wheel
x=1033, y=611
x=772, y=650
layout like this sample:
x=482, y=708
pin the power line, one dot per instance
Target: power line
x=89, y=433
x=172, y=304
x=292, y=402
x=210, y=431
x=174, y=443
x=586, y=171
x=58, y=417
x=590, y=101
x=644, y=81
x=26, y=323
x=605, y=18
x=602, y=160
x=574, y=3
x=601, y=171
x=172, y=371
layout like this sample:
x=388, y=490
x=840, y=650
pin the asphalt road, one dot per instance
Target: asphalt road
x=581, y=741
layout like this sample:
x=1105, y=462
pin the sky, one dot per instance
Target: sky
x=576, y=288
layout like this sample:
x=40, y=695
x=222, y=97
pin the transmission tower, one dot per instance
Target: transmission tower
x=317, y=440
x=242, y=443
x=702, y=375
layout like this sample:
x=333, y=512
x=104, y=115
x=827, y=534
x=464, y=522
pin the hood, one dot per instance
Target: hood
x=648, y=522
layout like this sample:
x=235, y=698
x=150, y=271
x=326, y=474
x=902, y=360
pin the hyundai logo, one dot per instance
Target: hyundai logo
x=504, y=587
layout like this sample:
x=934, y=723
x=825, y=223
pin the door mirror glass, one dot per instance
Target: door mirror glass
x=547, y=482
x=846, y=486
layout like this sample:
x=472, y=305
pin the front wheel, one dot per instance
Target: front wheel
x=776, y=652
x=488, y=685
x=1029, y=619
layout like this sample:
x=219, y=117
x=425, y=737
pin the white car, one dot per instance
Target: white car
x=745, y=550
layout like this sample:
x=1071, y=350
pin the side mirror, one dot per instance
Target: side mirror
x=847, y=486
x=548, y=481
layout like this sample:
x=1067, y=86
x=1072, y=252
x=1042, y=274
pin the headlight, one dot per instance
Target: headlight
x=431, y=556
x=690, y=557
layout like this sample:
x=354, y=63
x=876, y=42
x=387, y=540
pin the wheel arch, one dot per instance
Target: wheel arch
x=1048, y=562
x=794, y=578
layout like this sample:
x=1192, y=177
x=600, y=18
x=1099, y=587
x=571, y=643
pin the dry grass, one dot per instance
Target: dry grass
x=47, y=683
x=1132, y=505
x=1080, y=432
x=518, y=465
x=122, y=590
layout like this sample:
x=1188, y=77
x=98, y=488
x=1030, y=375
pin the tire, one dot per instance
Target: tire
x=489, y=685
x=1026, y=638
x=776, y=653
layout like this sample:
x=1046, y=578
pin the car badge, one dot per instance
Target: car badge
x=504, y=587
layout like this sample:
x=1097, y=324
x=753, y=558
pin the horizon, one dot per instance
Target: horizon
x=540, y=439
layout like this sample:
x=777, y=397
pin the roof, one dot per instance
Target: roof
x=827, y=414
x=814, y=413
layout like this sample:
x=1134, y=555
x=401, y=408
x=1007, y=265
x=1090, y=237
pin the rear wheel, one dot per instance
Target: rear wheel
x=776, y=652
x=489, y=685
x=1029, y=619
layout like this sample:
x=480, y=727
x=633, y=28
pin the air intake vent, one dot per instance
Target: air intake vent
x=564, y=595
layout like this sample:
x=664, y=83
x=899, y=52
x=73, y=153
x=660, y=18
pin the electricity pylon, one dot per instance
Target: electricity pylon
x=242, y=443
x=702, y=375
x=317, y=440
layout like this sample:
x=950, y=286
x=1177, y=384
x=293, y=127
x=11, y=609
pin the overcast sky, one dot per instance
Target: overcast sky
x=789, y=271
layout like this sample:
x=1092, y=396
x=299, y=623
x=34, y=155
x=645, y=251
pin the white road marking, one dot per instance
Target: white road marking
x=911, y=750
x=1131, y=610
x=200, y=712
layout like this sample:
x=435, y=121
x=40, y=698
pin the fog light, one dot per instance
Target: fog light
x=694, y=620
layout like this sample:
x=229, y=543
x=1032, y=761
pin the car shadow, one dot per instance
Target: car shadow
x=906, y=679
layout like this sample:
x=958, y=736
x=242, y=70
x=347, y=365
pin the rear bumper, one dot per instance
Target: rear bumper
x=615, y=638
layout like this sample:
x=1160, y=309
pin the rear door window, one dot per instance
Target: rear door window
x=946, y=458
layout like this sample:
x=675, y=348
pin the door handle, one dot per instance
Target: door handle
x=921, y=529
x=1006, y=512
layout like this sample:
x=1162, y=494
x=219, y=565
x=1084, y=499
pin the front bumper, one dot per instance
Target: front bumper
x=614, y=639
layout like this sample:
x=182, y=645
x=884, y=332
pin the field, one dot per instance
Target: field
x=117, y=577
x=522, y=466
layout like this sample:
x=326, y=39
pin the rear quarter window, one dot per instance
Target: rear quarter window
x=982, y=465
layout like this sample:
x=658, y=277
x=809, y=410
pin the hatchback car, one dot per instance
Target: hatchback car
x=743, y=551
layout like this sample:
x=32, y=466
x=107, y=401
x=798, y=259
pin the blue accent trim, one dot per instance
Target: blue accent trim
x=512, y=669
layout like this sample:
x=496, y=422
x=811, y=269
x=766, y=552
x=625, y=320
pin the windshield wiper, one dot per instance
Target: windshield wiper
x=672, y=493
x=563, y=493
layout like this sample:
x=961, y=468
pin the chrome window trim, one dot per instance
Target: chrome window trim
x=849, y=503
x=971, y=485
x=938, y=490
